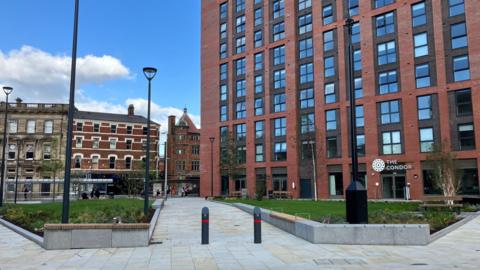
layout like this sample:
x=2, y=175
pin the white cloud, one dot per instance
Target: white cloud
x=39, y=76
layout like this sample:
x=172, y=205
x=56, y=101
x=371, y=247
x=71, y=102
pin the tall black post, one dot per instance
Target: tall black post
x=212, y=139
x=71, y=111
x=4, y=144
x=147, y=159
x=356, y=194
x=16, y=171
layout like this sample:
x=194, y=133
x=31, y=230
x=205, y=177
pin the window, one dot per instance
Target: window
x=279, y=102
x=12, y=126
x=259, y=153
x=390, y=112
x=278, y=8
x=223, y=113
x=223, y=134
x=195, y=165
x=241, y=131
x=328, y=41
x=357, y=60
x=422, y=75
x=240, y=24
x=223, y=30
x=223, y=10
x=48, y=127
x=424, y=104
x=128, y=163
x=241, y=110
x=304, y=24
x=223, y=50
x=113, y=143
x=330, y=96
x=240, y=89
x=355, y=33
x=466, y=136
x=195, y=149
x=259, y=127
x=30, y=152
x=305, y=48
x=461, y=68
x=258, y=84
x=278, y=31
x=279, y=78
x=79, y=126
x=331, y=119
x=386, y=53
x=31, y=126
x=306, y=98
x=332, y=147
x=240, y=5
x=180, y=165
x=95, y=160
x=387, y=82
x=361, y=144
x=95, y=143
x=240, y=45
x=111, y=162
x=381, y=3
x=78, y=142
x=258, y=39
x=458, y=33
x=353, y=7
x=223, y=92
x=258, y=61
x=358, y=84
x=223, y=71
x=279, y=55
x=144, y=130
x=421, y=44
x=113, y=128
x=303, y=4
x=280, y=125
x=258, y=16
x=258, y=106
x=306, y=73
x=329, y=65
x=307, y=123
x=307, y=149
x=385, y=24
x=392, y=143
x=128, y=144
x=96, y=128
x=240, y=65
x=456, y=7
x=419, y=16
x=78, y=162
x=327, y=14
x=426, y=140
x=463, y=102
x=12, y=151
x=280, y=151
x=359, y=116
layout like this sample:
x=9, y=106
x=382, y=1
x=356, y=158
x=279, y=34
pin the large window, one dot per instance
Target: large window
x=31, y=126
x=258, y=84
x=240, y=5
x=280, y=125
x=385, y=24
x=279, y=78
x=461, y=68
x=258, y=16
x=48, y=127
x=223, y=71
x=422, y=75
x=330, y=95
x=456, y=7
x=359, y=116
x=332, y=147
x=306, y=98
x=223, y=30
x=241, y=154
x=387, y=82
x=258, y=61
x=390, y=112
x=327, y=13
x=29, y=152
x=424, y=104
x=224, y=10
x=240, y=24
x=240, y=66
x=391, y=142
x=304, y=24
x=113, y=143
x=259, y=129
x=258, y=106
x=306, y=73
x=223, y=92
x=458, y=33
x=463, y=102
x=280, y=151
x=307, y=123
x=426, y=140
x=12, y=126
x=421, y=44
x=381, y=3
x=356, y=33
x=279, y=31
x=241, y=110
x=353, y=7
x=278, y=8
x=12, y=151
x=386, y=53
x=466, y=136
x=223, y=50
x=361, y=145
x=358, y=87
x=305, y=48
x=279, y=55
x=419, y=14
x=328, y=41
x=331, y=119
x=223, y=113
x=357, y=60
x=240, y=89
x=241, y=132
x=303, y=4
x=259, y=157
x=258, y=38
x=111, y=162
x=329, y=66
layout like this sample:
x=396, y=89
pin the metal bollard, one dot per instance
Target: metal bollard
x=257, y=226
x=205, y=222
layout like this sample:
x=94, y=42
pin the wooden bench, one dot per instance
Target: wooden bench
x=282, y=195
x=441, y=202
x=236, y=194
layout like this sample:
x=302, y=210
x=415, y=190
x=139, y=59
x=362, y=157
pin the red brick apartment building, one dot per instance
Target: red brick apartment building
x=274, y=75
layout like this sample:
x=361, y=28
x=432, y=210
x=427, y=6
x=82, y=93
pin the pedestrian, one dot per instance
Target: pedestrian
x=92, y=193
x=168, y=191
x=158, y=193
x=25, y=192
x=97, y=193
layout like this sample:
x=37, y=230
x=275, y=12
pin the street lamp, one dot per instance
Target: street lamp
x=149, y=73
x=8, y=90
x=71, y=111
x=312, y=144
x=212, y=139
x=356, y=194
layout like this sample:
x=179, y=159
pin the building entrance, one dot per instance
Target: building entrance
x=393, y=186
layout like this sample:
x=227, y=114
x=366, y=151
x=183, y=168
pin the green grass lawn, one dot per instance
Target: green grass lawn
x=33, y=216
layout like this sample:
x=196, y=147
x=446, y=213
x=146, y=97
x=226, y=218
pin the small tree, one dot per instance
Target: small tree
x=53, y=166
x=229, y=156
x=444, y=173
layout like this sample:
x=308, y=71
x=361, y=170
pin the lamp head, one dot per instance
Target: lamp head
x=212, y=139
x=149, y=72
x=7, y=90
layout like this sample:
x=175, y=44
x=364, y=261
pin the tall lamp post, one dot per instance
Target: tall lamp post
x=8, y=90
x=212, y=139
x=149, y=73
x=314, y=167
x=71, y=109
x=356, y=194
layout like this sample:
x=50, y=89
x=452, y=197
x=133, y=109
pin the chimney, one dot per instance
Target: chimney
x=131, y=110
x=171, y=123
x=19, y=100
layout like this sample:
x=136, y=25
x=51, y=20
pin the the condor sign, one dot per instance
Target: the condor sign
x=380, y=165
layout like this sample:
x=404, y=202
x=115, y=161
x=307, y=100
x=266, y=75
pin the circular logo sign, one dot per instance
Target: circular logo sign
x=378, y=165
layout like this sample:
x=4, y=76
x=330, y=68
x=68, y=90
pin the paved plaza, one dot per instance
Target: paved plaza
x=177, y=246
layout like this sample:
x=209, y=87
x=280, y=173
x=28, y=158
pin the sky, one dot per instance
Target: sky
x=116, y=39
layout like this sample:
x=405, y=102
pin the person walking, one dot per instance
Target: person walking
x=25, y=192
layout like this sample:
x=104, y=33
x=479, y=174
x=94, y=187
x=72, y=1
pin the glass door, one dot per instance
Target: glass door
x=387, y=185
x=400, y=187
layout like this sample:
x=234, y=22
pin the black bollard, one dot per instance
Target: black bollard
x=257, y=226
x=205, y=221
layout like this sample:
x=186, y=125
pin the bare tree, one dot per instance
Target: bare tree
x=53, y=165
x=229, y=156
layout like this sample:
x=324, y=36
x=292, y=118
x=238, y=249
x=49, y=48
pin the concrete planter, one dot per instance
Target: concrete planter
x=359, y=234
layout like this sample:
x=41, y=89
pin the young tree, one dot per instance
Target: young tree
x=53, y=165
x=229, y=156
x=444, y=172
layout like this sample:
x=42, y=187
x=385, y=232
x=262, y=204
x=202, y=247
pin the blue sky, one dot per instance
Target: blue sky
x=135, y=33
